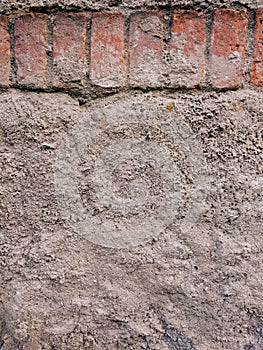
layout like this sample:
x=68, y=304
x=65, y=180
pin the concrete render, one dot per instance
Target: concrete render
x=197, y=287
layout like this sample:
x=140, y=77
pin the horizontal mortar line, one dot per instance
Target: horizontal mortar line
x=107, y=92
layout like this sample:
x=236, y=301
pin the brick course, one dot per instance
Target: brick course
x=5, y=54
x=107, y=50
x=257, y=65
x=228, y=45
x=187, y=49
x=69, y=48
x=30, y=49
x=144, y=49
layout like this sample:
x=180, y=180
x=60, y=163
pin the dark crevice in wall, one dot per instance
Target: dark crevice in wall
x=96, y=93
x=12, y=49
x=88, y=45
x=209, y=27
x=126, y=45
x=127, y=41
x=250, y=45
x=49, y=51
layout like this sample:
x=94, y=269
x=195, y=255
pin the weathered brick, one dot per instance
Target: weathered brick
x=5, y=54
x=228, y=47
x=257, y=64
x=146, y=40
x=186, y=49
x=107, y=60
x=30, y=49
x=69, y=49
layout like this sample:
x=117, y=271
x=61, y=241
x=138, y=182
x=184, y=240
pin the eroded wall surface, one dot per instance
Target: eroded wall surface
x=131, y=175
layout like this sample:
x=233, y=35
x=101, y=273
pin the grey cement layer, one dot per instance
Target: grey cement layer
x=199, y=288
x=7, y=6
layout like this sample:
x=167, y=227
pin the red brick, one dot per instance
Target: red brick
x=5, y=55
x=187, y=49
x=107, y=60
x=69, y=48
x=257, y=64
x=228, y=48
x=146, y=40
x=30, y=49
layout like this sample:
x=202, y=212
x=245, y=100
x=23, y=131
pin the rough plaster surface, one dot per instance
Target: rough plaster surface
x=198, y=289
x=20, y=5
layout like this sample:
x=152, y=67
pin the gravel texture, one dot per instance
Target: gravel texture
x=199, y=288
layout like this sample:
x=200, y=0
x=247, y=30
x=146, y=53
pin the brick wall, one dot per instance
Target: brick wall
x=222, y=49
x=131, y=177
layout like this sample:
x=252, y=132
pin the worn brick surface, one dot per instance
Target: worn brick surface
x=257, y=64
x=146, y=54
x=186, y=54
x=228, y=47
x=30, y=49
x=146, y=40
x=107, y=56
x=69, y=48
x=4, y=52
